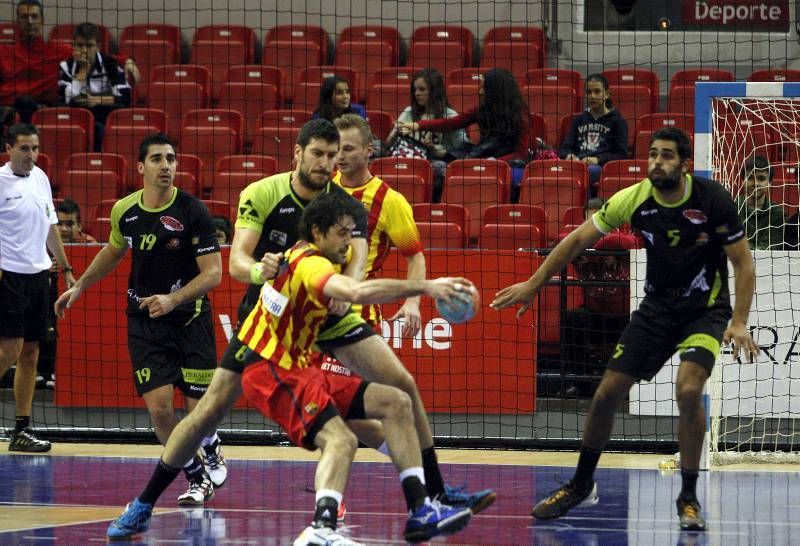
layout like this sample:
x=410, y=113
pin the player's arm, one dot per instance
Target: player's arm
x=564, y=252
x=357, y=265
x=415, y=271
x=341, y=287
x=210, y=276
x=243, y=267
x=56, y=247
x=104, y=263
x=745, y=282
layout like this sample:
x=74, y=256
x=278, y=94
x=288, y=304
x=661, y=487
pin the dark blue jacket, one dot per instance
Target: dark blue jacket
x=605, y=137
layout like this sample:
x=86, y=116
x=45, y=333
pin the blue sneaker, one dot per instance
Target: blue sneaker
x=134, y=520
x=459, y=497
x=434, y=519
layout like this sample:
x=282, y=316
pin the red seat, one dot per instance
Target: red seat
x=188, y=183
x=516, y=57
x=43, y=162
x=694, y=75
x=530, y=36
x=387, y=37
x=218, y=58
x=786, y=192
x=441, y=235
x=554, y=194
x=469, y=75
x=554, y=102
x=632, y=102
x=249, y=99
x=392, y=99
x=317, y=74
x=228, y=186
x=99, y=161
x=87, y=188
x=63, y=131
x=254, y=165
x=380, y=122
x=558, y=77
x=560, y=168
x=364, y=57
x=445, y=34
x=443, y=56
x=442, y=213
x=294, y=47
x=211, y=134
x=151, y=44
x=221, y=208
x=178, y=89
x=102, y=209
x=510, y=236
x=515, y=214
x=151, y=32
x=775, y=75
x=412, y=177
x=648, y=124
x=573, y=216
x=634, y=77
x=476, y=184
x=301, y=33
x=8, y=32
x=284, y=118
x=62, y=33
x=99, y=228
x=153, y=118
x=277, y=142
x=225, y=36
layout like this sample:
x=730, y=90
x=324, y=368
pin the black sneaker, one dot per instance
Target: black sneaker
x=563, y=499
x=26, y=440
x=689, y=515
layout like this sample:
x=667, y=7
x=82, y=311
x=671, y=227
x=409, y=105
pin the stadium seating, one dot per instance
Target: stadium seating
x=443, y=213
x=441, y=235
x=410, y=176
x=476, y=184
x=515, y=48
x=62, y=33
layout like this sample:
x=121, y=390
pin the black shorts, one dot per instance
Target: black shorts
x=238, y=356
x=24, y=305
x=165, y=353
x=654, y=335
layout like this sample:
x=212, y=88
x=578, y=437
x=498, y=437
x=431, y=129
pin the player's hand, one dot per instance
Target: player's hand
x=447, y=288
x=272, y=262
x=738, y=336
x=69, y=279
x=66, y=300
x=572, y=157
x=522, y=292
x=412, y=320
x=158, y=305
x=338, y=307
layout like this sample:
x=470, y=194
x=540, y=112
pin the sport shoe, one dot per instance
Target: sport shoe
x=689, y=514
x=134, y=520
x=563, y=499
x=214, y=463
x=198, y=493
x=26, y=440
x=434, y=519
x=323, y=536
x=458, y=497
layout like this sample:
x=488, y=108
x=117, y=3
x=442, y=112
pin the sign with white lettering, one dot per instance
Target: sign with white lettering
x=772, y=15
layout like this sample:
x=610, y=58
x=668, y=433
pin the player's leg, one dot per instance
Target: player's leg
x=427, y=518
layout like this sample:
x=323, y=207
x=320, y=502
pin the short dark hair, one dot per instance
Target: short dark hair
x=68, y=206
x=20, y=129
x=151, y=139
x=223, y=224
x=34, y=3
x=681, y=140
x=318, y=128
x=757, y=163
x=87, y=31
x=603, y=80
x=325, y=210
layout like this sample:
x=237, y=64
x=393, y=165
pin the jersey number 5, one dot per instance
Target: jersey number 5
x=674, y=237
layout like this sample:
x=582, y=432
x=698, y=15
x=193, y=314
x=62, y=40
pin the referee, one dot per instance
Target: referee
x=28, y=228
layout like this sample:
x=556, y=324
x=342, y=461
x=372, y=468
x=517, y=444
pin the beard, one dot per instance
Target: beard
x=308, y=182
x=666, y=182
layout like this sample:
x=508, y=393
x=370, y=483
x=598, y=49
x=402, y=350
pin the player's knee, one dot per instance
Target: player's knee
x=606, y=399
x=398, y=404
x=688, y=395
x=162, y=415
x=345, y=442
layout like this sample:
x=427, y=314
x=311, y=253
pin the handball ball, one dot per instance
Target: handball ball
x=461, y=307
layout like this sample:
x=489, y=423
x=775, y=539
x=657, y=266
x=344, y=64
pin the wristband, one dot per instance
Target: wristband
x=67, y=269
x=255, y=273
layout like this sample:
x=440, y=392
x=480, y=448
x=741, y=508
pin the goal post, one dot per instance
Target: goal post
x=755, y=407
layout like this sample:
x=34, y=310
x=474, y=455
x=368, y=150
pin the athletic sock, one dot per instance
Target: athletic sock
x=689, y=484
x=194, y=469
x=587, y=463
x=412, y=480
x=22, y=422
x=209, y=440
x=433, y=477
x=162, y=476
x=327, y=508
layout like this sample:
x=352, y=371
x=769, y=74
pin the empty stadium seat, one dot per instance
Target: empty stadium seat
x=476, y=184
x=443, y=213
x=510, y=237
x=410, y=176
x=441, y=235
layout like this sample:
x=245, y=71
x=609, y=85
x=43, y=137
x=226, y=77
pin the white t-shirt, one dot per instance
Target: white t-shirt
x=26, y=214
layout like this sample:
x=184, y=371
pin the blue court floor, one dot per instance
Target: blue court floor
x=70, y=500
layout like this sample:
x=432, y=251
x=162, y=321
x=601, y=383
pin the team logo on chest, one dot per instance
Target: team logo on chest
x=174, y=244
x=171, y=223
x=695, y=216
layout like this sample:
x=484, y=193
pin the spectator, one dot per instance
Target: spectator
x=599, y=134
x=763, y=220
x=334, y=100
x=69, y=223
x=222, y=227
x=501, y=117
x=28, y=72
x=92, y=79
x=429, y=101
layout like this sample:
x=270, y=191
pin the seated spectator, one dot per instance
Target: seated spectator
x=428, y=100
x=91, y=79
x=502, y=118
x=222, y=227
x=763, y=220
x=599, y=134
x=29, y=66
x=69, y=223
x=334, y=100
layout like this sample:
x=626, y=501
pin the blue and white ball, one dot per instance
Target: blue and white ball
x=461, y=307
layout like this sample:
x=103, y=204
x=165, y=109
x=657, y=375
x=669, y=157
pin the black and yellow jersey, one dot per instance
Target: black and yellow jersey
x=271, y=207
x=165, y=244
x=686, y=265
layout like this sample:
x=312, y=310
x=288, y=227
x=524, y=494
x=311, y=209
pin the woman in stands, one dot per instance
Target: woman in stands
x=599, y=134
x=428, y=100
x=334, y=100
x=502, y=117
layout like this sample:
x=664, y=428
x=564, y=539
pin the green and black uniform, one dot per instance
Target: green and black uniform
x=687, y=303
x=177, y=348
x=271, y=207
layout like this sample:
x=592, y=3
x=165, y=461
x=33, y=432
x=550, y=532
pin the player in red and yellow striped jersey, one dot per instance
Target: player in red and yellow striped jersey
x=277, y=338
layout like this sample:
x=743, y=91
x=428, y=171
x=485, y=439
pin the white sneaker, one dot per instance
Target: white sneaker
x=198, y=493
x=214, y=463
x=323, y=536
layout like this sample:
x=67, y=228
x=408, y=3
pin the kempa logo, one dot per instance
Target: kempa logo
x=704, y=12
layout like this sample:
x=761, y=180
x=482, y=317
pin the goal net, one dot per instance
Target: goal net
x=754, y=406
